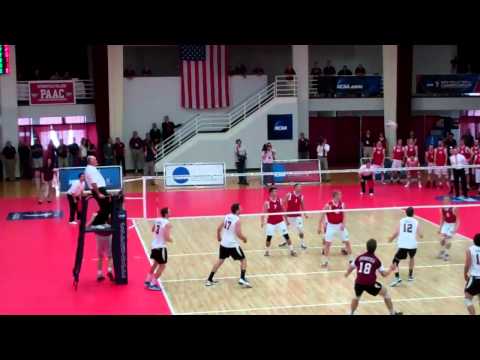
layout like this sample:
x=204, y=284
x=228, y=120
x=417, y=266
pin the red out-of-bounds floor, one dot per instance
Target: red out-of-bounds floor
x=37, y=256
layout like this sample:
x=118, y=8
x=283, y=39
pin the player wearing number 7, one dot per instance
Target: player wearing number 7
x=406, y=233
x=228, y=233
x=367, y=266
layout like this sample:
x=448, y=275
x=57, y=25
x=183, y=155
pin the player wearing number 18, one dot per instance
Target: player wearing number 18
x=228, y=233
x=407, y=233
x=367, y=266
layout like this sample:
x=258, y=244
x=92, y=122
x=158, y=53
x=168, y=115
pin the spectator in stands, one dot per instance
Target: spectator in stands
x=136, y=147
x=240, y=161
x=360, y=70
x=168, y=128
x=146, y=71
x=316, y=69
x=10, y=159
x=412, y=137
x=37, y=163
x=323, y=149
x=468, y=138
x=62, y=154
x=24, y=154
x=316, y=73
x=367, y=144
x=129, y=72
x=56, y=76
x=268, y=156
x=345, y=71
x=381, y=138
x=108, y=152
x=149, y=153
x=74, y=153
x=52, y=153
x=450, y=143
x=155, y=134
x=330, y=81
x=47, y=191
x=119, y=152
x=66, y=76
x=91, y=149
x=36, y=75
x=303, y=147
x=289, y=71
x=83, y=152
x=258, y=71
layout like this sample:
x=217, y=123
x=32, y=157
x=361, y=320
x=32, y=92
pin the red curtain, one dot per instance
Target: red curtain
x=343, y=135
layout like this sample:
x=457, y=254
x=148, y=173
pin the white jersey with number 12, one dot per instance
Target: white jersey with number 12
x=407, y=237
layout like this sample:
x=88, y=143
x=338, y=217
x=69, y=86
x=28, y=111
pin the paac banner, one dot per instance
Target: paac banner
x=453, y=85
x=366, y=86
x=52, y=92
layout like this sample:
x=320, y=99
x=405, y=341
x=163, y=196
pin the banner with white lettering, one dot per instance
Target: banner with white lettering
x=52, y=92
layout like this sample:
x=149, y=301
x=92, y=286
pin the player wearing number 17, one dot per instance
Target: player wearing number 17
x=367, y=266
x=228, y=233
x=407, y=233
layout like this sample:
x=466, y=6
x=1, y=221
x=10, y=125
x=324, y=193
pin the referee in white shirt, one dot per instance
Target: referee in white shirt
x=96, y=183
x=73, y=194
x=322, y=152
x=458, y=161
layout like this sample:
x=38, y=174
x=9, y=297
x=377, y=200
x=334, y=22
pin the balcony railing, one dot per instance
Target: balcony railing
x=84, y=90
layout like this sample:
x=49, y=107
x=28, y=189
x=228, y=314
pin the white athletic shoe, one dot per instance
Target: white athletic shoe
x=282, y=244
x=244, y=283
x=371, y=194
x=303, y=247
x=73, y=223
x=411, y=278
x=361, y=193
x=395, y=282
x=211, y=283
x=446, y=257
x=440, y=255
x=267, y=253
x=293, y=253
x=407, y=184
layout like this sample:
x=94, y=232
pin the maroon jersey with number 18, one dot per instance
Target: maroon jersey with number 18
x=367, y=266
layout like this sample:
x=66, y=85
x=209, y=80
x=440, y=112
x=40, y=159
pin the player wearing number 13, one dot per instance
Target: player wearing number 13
x=406, y=233
x=367, y=266
x=228, y=233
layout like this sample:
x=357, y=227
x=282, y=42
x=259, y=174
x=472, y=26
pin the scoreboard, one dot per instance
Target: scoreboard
x=4, y=59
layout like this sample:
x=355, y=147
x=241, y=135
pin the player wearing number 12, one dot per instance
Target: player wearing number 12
x=228, y=233
x=367, y=266
x=407, y=233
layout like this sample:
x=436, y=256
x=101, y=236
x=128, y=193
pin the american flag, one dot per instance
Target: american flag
x=205, y=83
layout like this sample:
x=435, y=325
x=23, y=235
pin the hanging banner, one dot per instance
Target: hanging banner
x=52, y=92
x=450, y=85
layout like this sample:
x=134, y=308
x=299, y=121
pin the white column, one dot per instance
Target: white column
x=390, y=71
x=9, y=105
x=300, y=65
x=115, y=90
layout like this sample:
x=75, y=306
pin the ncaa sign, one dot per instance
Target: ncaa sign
x=280, y=127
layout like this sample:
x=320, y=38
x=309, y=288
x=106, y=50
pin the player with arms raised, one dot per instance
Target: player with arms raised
x=407, y=233
x=294, y=201
x=367, y=266
x=161, y=236
x=275, y=222
x=335, y=225
x=448, y=227
x=228, y=233
x=472, y=274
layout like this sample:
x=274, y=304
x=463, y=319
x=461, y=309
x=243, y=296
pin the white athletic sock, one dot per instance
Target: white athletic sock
x=290, y=247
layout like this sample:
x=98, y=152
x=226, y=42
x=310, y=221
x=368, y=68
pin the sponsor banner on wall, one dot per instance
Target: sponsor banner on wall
x=195, y=174
x=451, y=85
x=111, y=174
x=365, y=86
x=280, y=127
x=52, y=92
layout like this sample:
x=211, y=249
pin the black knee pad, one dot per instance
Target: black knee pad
x=286, y=237
x=269, y=238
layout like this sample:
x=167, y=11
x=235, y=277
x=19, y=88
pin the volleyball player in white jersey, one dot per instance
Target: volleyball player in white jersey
x=407, y=233
x=472, y=274
x=228, y=233
x=161, y=235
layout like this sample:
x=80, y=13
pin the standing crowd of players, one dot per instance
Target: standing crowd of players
x=407, y=157
x=332, y=223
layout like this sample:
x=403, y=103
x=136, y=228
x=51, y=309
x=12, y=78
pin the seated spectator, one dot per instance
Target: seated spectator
x=316, y=70
x=129, y=72
x=329, y=70
x=258, y=71
x=146, y=71
x=360, y=70
x=345, y=71
x=56, y=76
x=289, y=71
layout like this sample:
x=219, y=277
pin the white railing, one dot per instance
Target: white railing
x=284, y=86
x=84, y=90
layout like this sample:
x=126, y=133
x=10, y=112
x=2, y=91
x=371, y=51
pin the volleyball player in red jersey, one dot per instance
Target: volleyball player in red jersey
x=294, y=201
x=398, y=154
x=412, y=174
x=449, y=223
x=440, y=158
x=366, y=177
x=476, y=161
x=430, y=157
x=411, y=150
x=378, y=159
x=275, y=222
x=475, y=148
x=335, y=225
x=367, y=266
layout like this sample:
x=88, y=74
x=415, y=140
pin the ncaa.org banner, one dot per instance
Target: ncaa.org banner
x=365, y=86
x=451, y=85
x=195, y=174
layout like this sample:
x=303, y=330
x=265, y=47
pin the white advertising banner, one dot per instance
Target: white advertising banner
x=195, y=174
